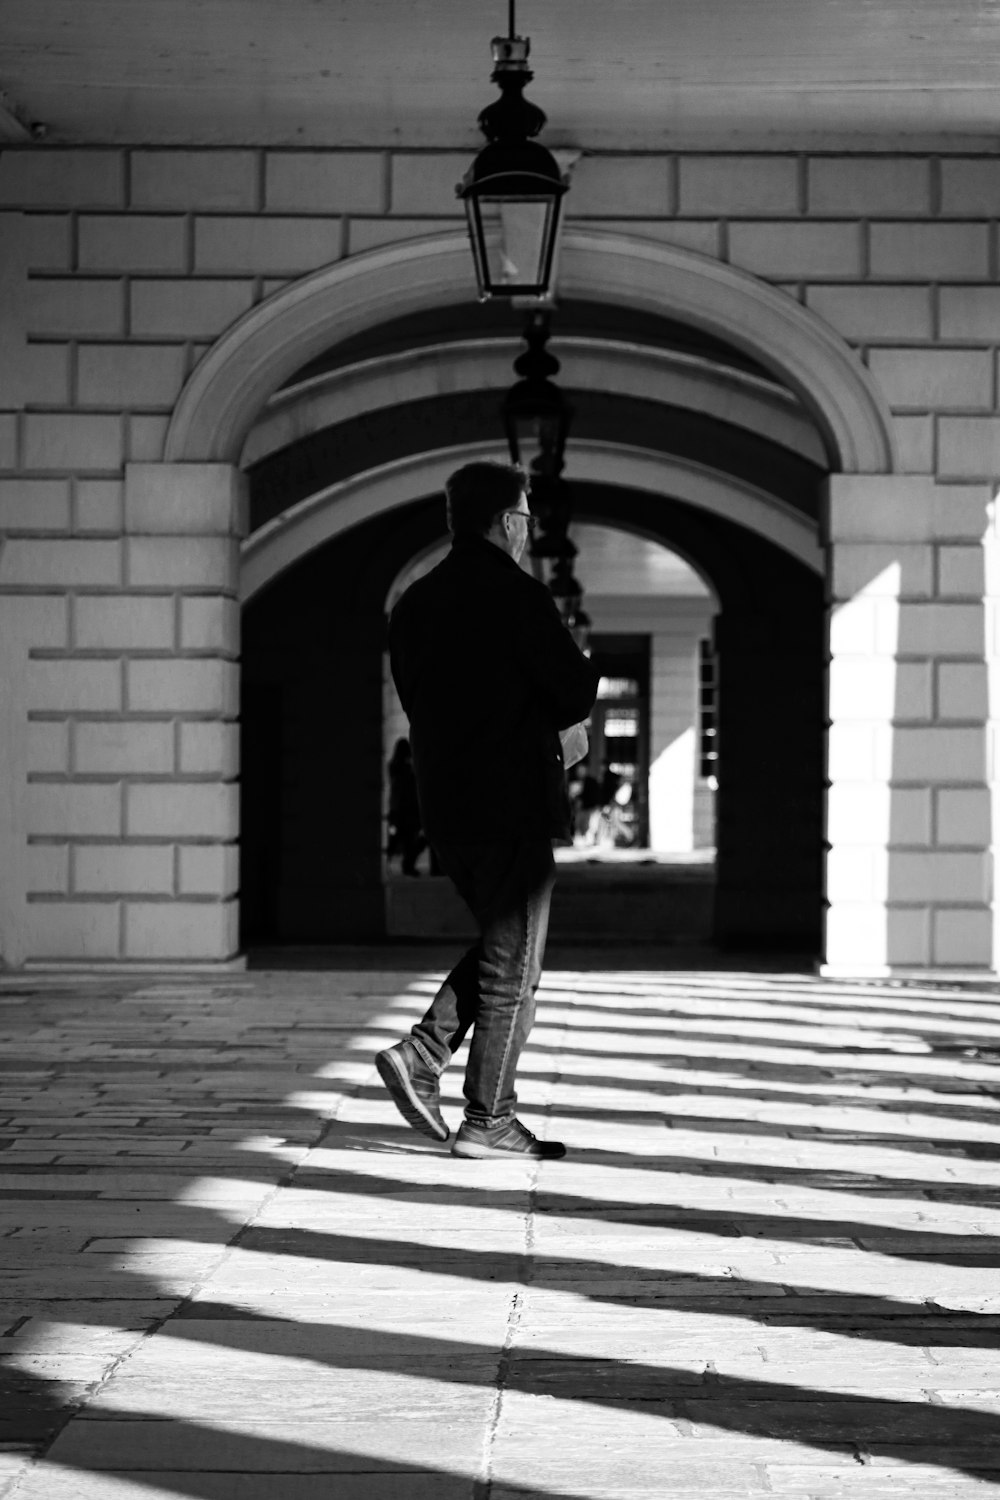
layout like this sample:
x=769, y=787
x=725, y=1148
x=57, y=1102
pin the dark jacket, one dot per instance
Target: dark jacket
x=488, y=675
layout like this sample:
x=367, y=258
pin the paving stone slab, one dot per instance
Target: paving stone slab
x=52, y=1484
x=97, y=1283
x=283, y=1443
x=74, y=1368
x=13, y=1467
x=348, y=1313
x=434, y=1337
x=76, y=1324
x=974, y=1400
x=224, y=1394
x=721, y=1485
x=602, y=1469
x=858, y=1421
x=916, y=1482
x=967, y=1455
x=317, y=1302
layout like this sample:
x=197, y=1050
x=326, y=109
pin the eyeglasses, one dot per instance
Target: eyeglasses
x=529, y=520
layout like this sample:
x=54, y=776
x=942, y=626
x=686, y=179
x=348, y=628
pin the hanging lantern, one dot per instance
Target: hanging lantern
x=536, y=414
x=514, y=189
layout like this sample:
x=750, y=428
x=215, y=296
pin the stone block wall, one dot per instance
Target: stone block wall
x=910, y=872
x=128, y=723
x=119, y=268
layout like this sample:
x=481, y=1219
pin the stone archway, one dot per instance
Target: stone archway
x=231, y=384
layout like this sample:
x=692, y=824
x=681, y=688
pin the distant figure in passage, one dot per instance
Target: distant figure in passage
x=405, y=834
x=488, y=676
x=610, y=783
x=586, y=797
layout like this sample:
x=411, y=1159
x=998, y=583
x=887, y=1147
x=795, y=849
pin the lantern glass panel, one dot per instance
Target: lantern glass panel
x=537, y=442
x=516, y=243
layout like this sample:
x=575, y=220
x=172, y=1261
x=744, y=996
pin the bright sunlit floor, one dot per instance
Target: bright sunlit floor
x=768, y=1266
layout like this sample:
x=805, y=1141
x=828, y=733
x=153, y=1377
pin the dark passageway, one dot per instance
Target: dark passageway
x=312, y=793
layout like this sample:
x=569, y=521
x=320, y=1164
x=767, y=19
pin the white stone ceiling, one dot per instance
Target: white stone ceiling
x=612, y=74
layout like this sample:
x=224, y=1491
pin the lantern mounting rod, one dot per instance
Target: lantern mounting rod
x=511, y=25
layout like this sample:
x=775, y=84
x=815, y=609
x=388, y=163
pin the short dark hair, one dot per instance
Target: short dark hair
x=478, y=492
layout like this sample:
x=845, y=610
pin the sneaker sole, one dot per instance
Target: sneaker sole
x=396, y=1079
x=472, y=1148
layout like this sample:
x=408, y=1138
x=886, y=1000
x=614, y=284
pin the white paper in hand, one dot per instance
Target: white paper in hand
x=575, y=744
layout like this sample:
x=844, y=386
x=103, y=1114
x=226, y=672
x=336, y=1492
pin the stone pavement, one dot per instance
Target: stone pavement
x=768, y=1267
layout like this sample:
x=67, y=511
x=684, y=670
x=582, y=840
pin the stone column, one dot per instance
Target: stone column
x=981, y=806
x=908, y=807
x=673, y=735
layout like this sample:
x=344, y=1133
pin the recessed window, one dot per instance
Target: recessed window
x=618, y=687
x=708, y=713
x=621, y=724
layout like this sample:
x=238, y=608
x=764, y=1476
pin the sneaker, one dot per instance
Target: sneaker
x=509, y=1139
x=413, y=1087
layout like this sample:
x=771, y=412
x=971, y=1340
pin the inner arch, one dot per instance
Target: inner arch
x=609, y=560
x=335, y=509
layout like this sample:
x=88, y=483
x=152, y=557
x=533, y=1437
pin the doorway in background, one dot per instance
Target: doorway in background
x=619, y=738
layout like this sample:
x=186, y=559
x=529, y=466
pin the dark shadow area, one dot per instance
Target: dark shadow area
x=313, y=663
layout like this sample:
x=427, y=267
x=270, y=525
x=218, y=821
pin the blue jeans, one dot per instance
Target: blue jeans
x=491, y=990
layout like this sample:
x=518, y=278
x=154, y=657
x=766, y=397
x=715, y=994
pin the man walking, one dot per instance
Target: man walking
x=487, y=675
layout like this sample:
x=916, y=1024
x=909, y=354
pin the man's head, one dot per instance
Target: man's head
x=490, y=500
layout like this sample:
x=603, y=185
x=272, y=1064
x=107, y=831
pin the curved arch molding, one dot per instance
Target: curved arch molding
x=609, y=366
x=280, y=544
x=267, y=345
